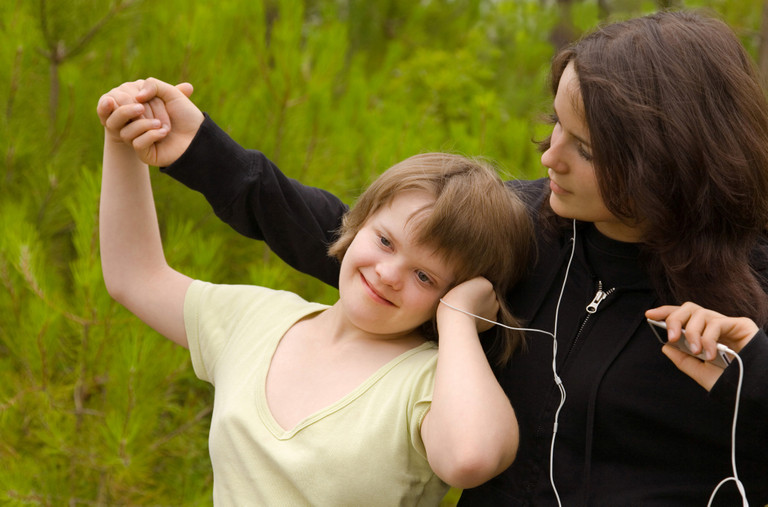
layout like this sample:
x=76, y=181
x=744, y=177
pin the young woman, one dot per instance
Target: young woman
x=335, y=405
x=654, y=206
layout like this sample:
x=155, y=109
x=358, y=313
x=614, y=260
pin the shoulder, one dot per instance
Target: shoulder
x=415, y=366
x=242, y=292
x=234, y=318
x=412, y=373
x=237, y=302
x=418, y=373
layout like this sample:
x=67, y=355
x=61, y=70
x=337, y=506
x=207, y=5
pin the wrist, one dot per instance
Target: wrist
x=448, y=318
x=112, y=138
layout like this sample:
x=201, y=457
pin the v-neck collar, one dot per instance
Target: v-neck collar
x=281, y=433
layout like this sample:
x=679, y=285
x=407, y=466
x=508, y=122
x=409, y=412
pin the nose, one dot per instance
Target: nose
x=390, y=273
x=552, y=157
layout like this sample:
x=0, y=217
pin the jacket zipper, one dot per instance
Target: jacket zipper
x=600, y=296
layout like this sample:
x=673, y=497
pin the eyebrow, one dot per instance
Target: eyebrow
x=578, y=138
x=441, y=280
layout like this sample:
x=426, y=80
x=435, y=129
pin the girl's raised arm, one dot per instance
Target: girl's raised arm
x=470, y=432
x=133, y=263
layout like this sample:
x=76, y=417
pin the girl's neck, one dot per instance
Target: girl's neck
x=336, y=329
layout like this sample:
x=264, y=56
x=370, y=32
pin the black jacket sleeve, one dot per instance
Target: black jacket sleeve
x=248, y=192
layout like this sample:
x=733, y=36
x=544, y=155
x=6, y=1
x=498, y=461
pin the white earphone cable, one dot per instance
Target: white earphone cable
x=735, y=476
x=553, y=335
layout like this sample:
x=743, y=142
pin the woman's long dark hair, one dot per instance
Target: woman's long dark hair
x=678, y=124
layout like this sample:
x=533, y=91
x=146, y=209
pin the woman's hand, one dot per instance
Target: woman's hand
x=704, y=329
x=154, y=117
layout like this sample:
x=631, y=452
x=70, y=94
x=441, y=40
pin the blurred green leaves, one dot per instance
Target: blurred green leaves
x=95, y=408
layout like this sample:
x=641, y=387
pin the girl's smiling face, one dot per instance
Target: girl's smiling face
x=388, y=284
x=574, y=189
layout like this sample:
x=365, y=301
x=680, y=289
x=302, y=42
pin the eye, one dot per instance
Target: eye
x=583, y=153
x=553, y=119
x=423, y=277
x=385, y=242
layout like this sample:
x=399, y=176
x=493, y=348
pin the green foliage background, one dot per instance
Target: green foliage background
x=94, y=407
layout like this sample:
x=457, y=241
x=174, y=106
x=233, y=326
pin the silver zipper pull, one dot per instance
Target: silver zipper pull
x=592, y=307
x=599, y=297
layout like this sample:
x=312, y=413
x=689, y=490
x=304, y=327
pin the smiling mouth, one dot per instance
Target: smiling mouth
x=374, y=293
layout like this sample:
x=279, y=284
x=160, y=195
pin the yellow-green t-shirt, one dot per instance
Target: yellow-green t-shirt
x=364, y=449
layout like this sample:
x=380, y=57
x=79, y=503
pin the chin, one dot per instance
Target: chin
x=561, y=211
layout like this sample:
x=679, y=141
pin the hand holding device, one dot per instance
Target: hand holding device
x=721, y=359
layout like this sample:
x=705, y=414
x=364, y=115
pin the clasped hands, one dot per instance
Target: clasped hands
x=156, y=118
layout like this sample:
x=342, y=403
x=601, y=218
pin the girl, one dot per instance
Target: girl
x=335, y=405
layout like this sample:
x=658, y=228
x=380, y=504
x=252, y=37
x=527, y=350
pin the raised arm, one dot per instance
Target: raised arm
x=470, y=432
x=245, y=189
x=249, y=193
x=133, y=263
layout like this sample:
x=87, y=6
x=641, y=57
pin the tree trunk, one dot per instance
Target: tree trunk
x=563, y=32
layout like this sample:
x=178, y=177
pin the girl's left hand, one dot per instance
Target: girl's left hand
x=704, y=329
x=475, y=296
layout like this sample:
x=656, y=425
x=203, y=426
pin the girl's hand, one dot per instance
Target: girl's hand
x=119, y=108
x=475, y=296
x=704, y=329
x=154, y=117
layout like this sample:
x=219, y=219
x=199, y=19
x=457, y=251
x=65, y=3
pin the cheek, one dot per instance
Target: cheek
x=424, y=302
x=585, y=180
x=590, y=188
x=350, y=265
x=357, y=252
x=594, y=202
x=590, y=183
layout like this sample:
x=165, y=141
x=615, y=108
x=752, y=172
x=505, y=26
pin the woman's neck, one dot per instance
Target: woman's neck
x=620, y=231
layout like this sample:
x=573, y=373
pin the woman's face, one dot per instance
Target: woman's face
x=572, y=180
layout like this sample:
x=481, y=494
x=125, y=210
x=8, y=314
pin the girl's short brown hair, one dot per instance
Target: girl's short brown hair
x=476, y=223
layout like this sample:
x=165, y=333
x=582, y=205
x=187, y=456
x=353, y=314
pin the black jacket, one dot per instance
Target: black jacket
x=633, y=429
